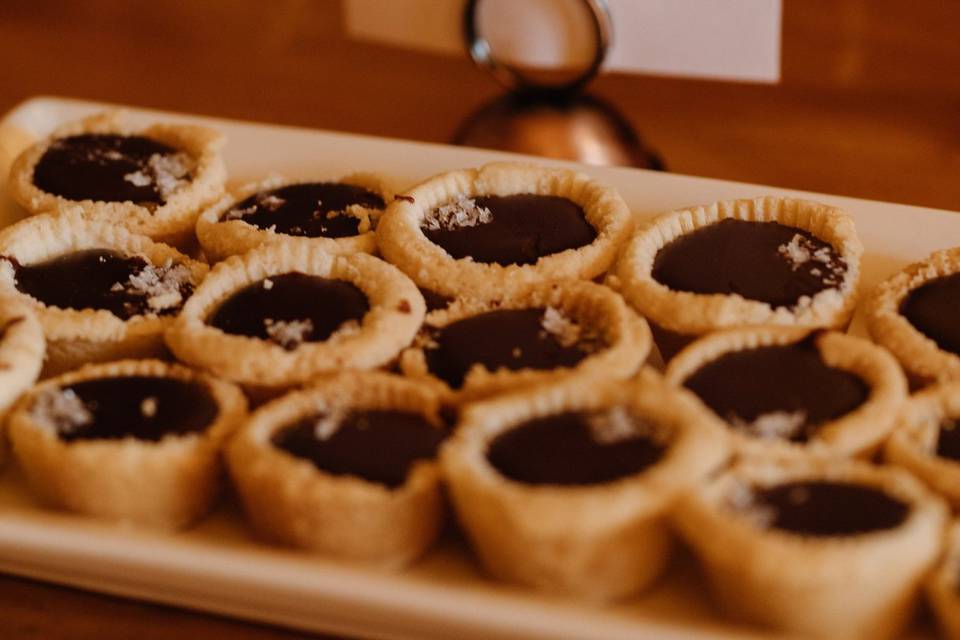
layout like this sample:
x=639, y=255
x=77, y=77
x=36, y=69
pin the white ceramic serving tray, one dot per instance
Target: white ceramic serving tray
x=219, y=567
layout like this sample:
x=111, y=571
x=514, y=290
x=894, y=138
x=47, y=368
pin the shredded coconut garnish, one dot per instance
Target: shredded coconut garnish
x=462, y=212
x=801, y=250
x=289, y=334
x=170, y=172
x=271, y=203
x=774, y=425
x=149, y=407
x=62, y=410
x=566, y=331
x=138, y=179
x=613, y=425
x=237, y=214
x=267, y=284
x=327, y=424
x=161, y=286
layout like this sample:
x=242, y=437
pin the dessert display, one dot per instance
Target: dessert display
x=472, y=349
x=567, y=487
x=926, y=441
x=817, y=548
x=21, y=355
x=341, y=216
x=789, y=391
x=914, y=314
x=153, y=182
x=282, y=314
x=766, y=261
x=100, y=292
x=943, y=586
x=475, y=232
x=345, y=468
x=136, y=441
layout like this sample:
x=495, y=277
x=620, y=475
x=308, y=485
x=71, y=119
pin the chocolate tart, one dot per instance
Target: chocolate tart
x=793, y=391
x=282, y=314
x=100, y=292
x=566, y=486
x=474, y=232
x=21, y=355
x=823, y=548
x=915, y=315
x=136, y=441
x=153, y=181
x=926, y=441
x=473, y=349
x=943, y=586
x=340, y=216
x=766, y=261
x=345, y=468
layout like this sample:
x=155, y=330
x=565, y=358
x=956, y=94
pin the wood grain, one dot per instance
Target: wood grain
x=869, y=106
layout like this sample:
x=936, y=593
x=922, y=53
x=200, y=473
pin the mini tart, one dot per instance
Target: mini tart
x=594, y=235
x=222, y=230
x=823, y=548
x=943, y=586
x=21, y=354
x=601, y=531
x=75, y=438
x=390, y=310
x=924, y=360
x=171, y=202
x=365, y=507
x=838, y=396
x=926, y=441
x=79, y=336
x=679, y=316
x=533, y=334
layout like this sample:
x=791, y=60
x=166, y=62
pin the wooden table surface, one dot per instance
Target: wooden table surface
x=869, y=106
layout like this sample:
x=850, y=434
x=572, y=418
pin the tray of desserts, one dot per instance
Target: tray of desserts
x=398, y=390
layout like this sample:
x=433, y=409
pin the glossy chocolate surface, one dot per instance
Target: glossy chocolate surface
x=736, y=256
x=304, y=209
x=791, y=379
x=823, y=508
x=291, y=298
x=508, y=338
x=934, y=309
x=91, y=279
x=434, y=300
x=524, y=228
x=948, y=440
x=564, y=449
x=143, y=407
x=378, y=446
x=98, y=166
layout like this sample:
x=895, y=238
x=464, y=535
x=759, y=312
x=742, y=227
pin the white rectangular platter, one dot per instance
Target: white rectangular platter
x=219, y=567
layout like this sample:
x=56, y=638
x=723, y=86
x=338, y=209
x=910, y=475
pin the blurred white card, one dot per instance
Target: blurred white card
x=723, y=39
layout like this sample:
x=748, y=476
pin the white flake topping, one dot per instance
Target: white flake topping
x=773, y=425
x=566, y=331
x=613, y=425
x=327, y=425
x=801, y=250
x=62, y=410
x=170, y=172
x=148, y=408
x=289, y=334
x=237, y=214
x=271, y=202
x=462, y=212
x=267, y=284
x=160, y=285
x=138, y=179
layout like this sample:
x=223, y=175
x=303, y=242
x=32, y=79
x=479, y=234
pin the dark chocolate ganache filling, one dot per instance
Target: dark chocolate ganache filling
x=379, y=446
x=515, y=229
x=310, y=209
x=934, y=309
x=576, y=448
x=291, y=308
x=143, y=407
x=507, y=338
x=112, y=168
x=823, y=508
x=126, y=286
x=948, y=440
x=764, y=261
x=777, y=392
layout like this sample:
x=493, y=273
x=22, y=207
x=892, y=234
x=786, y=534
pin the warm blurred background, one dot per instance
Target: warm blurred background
x=868, y=105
